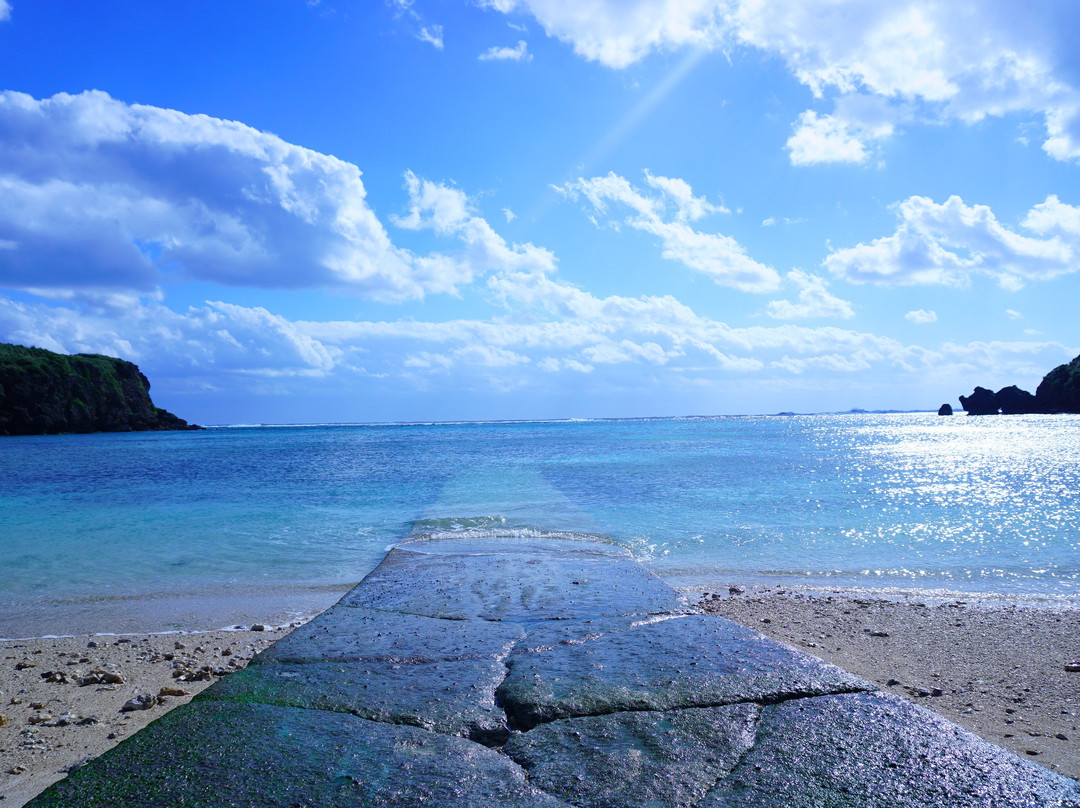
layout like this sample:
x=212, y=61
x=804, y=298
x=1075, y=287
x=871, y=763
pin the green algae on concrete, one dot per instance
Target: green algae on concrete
x=222, y=754
x=456, y=697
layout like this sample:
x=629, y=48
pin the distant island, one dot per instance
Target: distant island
x=46, y=393
x=1059, y=391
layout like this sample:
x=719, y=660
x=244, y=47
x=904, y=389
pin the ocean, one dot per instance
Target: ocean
x=198, y=530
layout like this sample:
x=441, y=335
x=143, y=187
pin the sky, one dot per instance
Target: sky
x=308, y=211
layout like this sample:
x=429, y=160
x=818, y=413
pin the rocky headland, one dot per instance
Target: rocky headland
x=1059, y=391
x=45, y=393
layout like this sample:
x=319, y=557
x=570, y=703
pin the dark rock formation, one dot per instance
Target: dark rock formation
x=981, y=402
x=945, y=409
x=1014, y=401
x=44, y=393
x=1059, y=390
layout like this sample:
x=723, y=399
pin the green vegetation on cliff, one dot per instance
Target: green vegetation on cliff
x=42, y=392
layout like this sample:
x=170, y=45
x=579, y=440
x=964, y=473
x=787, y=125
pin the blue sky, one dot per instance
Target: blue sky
x=290, y=211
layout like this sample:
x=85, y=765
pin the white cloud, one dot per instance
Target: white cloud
x=447, y=211
x=432, y=34
x=618, y=33
x=518, y=53
x=814, y=300
x=666, y=215
x=946, y=244
x=937, y=61
x=509, y=214
x=1013, y=314
x=921, y=316
x=98, y=194
x=5, y=10
x=768, y=222
x=829, y=139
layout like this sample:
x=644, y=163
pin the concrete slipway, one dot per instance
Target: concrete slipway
x=543, y=672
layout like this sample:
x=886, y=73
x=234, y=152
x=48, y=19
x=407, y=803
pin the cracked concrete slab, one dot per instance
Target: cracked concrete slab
x=877, y=750
x=221, y=753
x=687, y=661
x=670, y=759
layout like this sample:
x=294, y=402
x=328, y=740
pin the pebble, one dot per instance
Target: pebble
x=258, y=627
x=1071, y=667
x=3, y=720
x=1061, y=736
x=141, y=702
x=735, y=590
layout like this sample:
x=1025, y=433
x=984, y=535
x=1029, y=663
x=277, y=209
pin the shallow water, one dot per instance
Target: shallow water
x=199, y=529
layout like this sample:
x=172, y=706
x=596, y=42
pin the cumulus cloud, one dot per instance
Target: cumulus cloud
x=99, y=194
x=5, y=10
x=814, y=300
x=1013, y=314
x=945, y=244
x=667, y=214
x=518, y=53
x=540, y=325
x=931, y=60
x=921, y=316
x=829, y=139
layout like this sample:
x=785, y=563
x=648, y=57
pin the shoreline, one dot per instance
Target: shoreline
x=994, y=668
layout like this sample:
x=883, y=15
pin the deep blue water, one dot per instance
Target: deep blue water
x=199, y=529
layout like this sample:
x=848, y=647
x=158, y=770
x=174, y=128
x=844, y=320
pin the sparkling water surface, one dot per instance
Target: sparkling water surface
x=185, y=530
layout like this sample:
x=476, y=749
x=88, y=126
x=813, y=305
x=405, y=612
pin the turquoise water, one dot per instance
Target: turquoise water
x=148, y=531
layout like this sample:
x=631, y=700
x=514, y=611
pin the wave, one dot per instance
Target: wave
x=492, y=527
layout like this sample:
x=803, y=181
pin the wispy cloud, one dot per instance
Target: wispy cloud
x=667, y=215
x=433, y=35
x=518, y=53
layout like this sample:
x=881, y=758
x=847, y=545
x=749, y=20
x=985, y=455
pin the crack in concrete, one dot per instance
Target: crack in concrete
x=767, y=701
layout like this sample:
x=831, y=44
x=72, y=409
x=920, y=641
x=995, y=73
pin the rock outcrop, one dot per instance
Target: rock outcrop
x=981, y=402
x=1059, y=390
x=945, y=409
x=44, y=393
x=1014, y=401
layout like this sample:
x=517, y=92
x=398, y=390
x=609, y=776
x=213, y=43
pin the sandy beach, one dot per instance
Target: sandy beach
x=66, y=700
x=999, y=671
